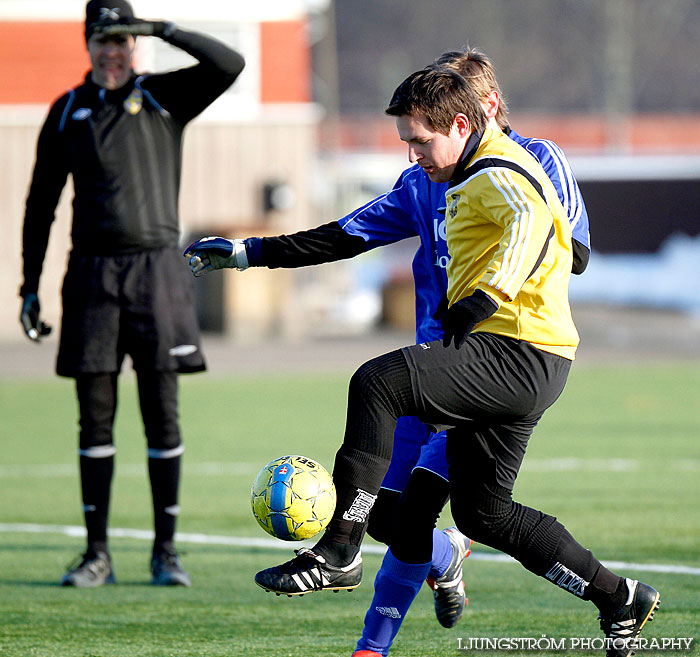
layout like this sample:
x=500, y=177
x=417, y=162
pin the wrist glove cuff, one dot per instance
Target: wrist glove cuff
x=240, y=256
x=462, y=316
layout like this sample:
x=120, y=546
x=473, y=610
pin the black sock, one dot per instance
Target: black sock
x=539, y=541
x=576, y=569
x=357, y=476
x=165, y=478
x=97, y=546
x=336, y=554
x=607, y=591
x=97, y=401
x=96, y=479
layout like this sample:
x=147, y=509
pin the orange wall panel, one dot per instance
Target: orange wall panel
x=40, y=60
x=285, y=62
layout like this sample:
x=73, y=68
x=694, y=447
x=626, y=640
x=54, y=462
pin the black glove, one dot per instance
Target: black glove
x=136, y=27
x=461, y=318
x=441, y=309
x=34, y=327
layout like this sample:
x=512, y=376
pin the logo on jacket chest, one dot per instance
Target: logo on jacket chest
x=452, y=205
x=81, y=114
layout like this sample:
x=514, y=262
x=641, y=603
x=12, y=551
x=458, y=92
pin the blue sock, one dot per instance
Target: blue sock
x=442, y=553
x=395, y=587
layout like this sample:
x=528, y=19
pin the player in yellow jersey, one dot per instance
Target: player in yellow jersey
x=509, y=238
x=508, y=346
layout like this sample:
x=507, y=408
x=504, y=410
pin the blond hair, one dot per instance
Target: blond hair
x=477, y=69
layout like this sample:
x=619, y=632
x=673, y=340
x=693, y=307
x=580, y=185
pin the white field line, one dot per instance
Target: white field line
x=274, y=544
x=125, y=469
x=569, y=464
x=244, y=469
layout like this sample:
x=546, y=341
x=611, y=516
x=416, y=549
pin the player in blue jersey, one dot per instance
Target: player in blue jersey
x=411, y=208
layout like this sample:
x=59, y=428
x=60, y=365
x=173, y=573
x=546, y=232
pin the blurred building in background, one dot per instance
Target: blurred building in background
x=301, y=139
x=246, y=159
x=615, y=84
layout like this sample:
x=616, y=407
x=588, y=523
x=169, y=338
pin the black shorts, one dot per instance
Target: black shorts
x=489, y=395
x=140, y=304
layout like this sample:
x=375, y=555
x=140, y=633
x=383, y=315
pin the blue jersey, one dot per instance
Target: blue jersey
x=557, y=168
x=410, y=209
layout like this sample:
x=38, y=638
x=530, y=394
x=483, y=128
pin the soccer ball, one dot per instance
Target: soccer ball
x=293, y=498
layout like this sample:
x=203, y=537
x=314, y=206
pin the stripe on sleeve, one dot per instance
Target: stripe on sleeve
x=521, y=230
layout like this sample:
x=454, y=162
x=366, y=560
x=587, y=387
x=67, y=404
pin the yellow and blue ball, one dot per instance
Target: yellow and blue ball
x=293, y=498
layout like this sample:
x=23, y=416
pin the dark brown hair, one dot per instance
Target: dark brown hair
x=439, y=94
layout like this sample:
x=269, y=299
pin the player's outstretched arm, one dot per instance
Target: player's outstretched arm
x=218, y=67
x=326, y=243
x=210, y=253
x=384, y=220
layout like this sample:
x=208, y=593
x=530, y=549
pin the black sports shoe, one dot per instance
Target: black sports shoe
x=623, y=628
x=448, y=589
x=309, y=572
x=168, y=571
x=89, y=570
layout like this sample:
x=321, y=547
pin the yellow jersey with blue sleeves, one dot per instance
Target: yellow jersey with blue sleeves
x=508, y=236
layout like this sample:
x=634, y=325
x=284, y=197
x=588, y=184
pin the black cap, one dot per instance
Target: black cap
x=106, y=11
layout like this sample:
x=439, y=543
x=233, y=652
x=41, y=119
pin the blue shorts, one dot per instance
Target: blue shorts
x=415, y=446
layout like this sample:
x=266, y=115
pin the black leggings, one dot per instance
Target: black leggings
x=97, y=400
x=454, y=387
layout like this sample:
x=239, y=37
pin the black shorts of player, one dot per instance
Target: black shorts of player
x=141, y=304
x=489, y=394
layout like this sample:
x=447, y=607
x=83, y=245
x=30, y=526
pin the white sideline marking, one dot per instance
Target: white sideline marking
x=125, y=469
x=274, y=544
x=239, y=469
x=233, y=468
x=581, y=465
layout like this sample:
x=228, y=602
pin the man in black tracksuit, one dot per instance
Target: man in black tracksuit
x=126, y=290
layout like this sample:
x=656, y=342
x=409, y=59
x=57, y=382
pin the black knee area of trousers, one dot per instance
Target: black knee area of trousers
x=382, y=520
x=158, y=400
x=379, y=393
x=420, y=506
x=490, y=516
x=97, y=403
x=379, y=390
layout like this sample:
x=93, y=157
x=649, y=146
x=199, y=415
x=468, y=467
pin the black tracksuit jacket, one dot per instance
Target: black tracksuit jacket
x=123, y=149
